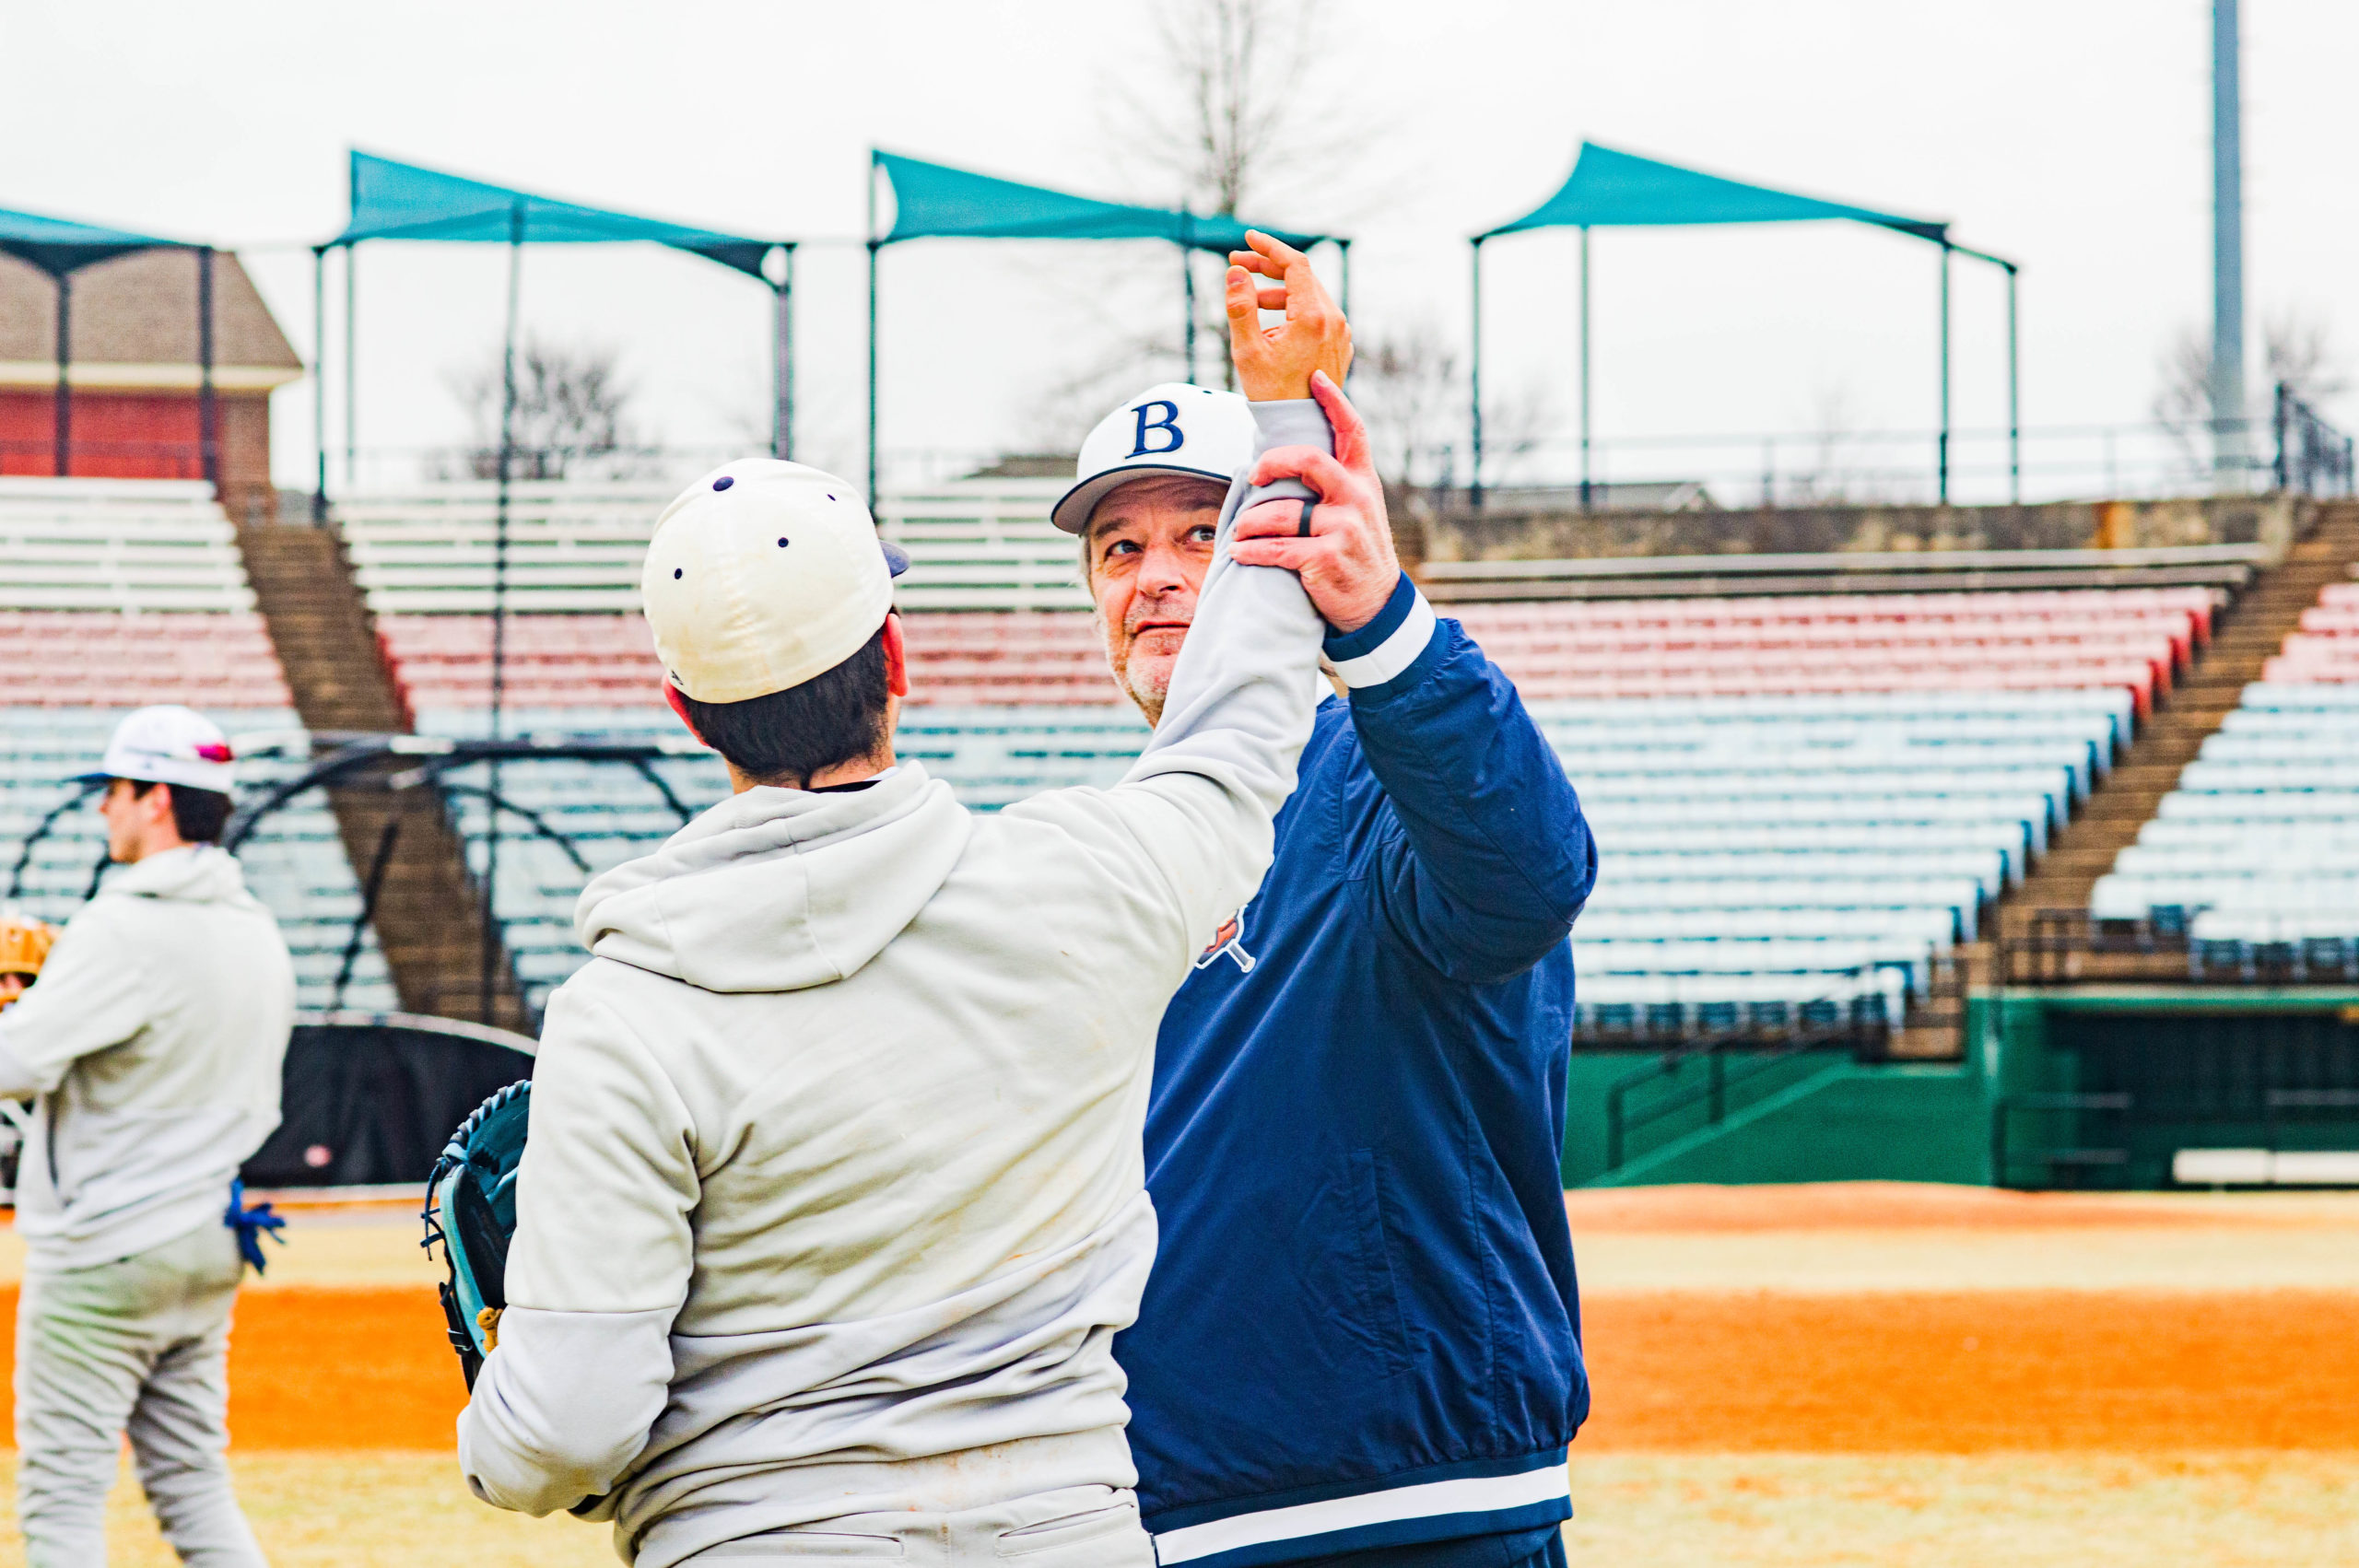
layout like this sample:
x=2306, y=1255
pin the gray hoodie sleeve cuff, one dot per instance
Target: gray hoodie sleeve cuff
x=1291, y=422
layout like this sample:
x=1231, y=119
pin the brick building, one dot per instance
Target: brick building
x=134, y=376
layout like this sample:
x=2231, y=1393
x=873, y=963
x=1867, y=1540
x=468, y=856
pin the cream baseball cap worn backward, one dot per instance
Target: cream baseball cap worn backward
x=168, y=745
x=1170, y=428
x=761, y=575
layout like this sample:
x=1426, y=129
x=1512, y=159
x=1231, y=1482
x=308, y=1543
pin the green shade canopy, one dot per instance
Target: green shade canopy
x=1619, y=189
x=59, y=246
x=400, y=200
x=934, y=201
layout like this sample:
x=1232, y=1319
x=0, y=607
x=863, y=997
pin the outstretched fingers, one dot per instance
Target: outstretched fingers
x=1242, y=299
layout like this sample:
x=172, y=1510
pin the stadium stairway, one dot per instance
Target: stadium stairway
x=2250, y=634
x=428, y=915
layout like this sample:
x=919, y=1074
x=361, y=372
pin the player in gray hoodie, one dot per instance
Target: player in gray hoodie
x=155, y=1042
x=834, y=1200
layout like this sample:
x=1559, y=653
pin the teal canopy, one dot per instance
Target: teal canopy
x=935, y=201
x=1619, y=189
x=400, y=200
x=59, y=246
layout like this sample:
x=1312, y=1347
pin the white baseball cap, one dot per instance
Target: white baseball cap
x=168, y=745
x=761, y=575
x=1171, y=429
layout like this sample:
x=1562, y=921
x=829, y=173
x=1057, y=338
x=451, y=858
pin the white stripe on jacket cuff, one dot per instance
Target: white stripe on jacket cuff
x=1396, y=652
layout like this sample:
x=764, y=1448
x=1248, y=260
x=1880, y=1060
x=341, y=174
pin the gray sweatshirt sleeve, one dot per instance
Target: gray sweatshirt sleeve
x=1222, y=761
x=597, y=1270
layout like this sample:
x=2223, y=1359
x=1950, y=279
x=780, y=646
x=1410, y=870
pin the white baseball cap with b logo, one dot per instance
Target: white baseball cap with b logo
x=1171, y=429
x=761, y=575
x=168, y=745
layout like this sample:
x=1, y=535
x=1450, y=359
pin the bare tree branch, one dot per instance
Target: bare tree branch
x=2298, y=349
x=571, y=405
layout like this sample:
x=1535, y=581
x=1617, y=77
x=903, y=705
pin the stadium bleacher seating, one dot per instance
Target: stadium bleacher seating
x=118, y=593
x=575, y=548
x=1779, y=853
x=1805, y=799
x=2258, y=848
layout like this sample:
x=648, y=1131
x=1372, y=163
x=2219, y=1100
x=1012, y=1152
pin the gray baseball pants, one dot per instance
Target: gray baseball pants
x=139, y=1346
x=1081, y=1527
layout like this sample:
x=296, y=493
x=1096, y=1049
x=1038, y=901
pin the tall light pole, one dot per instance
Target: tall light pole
x=2230, y=458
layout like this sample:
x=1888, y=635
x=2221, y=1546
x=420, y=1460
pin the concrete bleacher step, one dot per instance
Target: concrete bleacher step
x=428, y=918
x=2246, y=636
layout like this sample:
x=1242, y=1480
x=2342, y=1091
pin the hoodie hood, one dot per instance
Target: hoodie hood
x=203, y=874
x=778, y=890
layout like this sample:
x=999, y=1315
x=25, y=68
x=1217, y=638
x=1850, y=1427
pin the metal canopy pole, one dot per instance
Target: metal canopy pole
x=1475, y=381
x=1586, y=491
x=782, y=362
x=2014, y=361
x=320, y=384
x=2014, y=397
x=208, y=414
x=1944, y=439
x=351, y=362
x=873, y=246
x=62, y=406
x=499, y=607
x=1188, y=302
x=2230, y=451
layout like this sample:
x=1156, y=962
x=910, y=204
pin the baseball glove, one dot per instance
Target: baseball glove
x=24, y=947
x=471, y=1211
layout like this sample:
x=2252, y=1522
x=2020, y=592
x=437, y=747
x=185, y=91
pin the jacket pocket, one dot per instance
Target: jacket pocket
x=1378, y=1289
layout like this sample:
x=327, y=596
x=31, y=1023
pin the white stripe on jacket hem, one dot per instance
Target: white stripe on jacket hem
x=1472, y=1494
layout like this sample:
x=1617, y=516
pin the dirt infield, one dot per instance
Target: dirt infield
x=1965, y=1373
x=1870, y=1375
x=1634, y=1511
x=1972, y=1372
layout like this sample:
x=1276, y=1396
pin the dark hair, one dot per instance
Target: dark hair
x=786, y=737
x=199, y=815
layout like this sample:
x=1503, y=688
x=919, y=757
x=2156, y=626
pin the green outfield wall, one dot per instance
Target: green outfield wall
x=2095, y=1087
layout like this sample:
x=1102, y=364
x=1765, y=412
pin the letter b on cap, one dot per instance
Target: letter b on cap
x=1168, y=425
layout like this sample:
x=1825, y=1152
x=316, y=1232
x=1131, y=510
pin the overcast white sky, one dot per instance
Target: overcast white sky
x=2072, y=134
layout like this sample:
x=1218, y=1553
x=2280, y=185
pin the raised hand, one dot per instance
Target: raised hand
x=1275, y=363
x=1347, y=560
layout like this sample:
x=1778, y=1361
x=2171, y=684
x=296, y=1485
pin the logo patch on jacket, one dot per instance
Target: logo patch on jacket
x=1229, y=938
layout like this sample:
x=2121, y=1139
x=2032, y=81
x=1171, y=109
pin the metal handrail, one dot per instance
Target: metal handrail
x=1805, y=1038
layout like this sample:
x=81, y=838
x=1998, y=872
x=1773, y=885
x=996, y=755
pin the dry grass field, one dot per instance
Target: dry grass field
x=1867, y=1374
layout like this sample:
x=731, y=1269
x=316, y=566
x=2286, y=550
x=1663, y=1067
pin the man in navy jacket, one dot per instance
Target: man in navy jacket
x=1361, y=1343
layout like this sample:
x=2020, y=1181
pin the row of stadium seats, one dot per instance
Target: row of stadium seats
x=2255, y=855
x=1782, y=850
x=578, y=548
x=124, y=547
x=75, y=659
x=2326, y=648
x=295, y=863
x=1968, y=642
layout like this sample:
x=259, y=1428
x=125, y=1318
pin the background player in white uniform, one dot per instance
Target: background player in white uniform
x=154, y=1041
